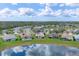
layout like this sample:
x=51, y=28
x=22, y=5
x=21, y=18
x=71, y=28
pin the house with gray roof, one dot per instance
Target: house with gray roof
x=67, y=35
x=25, y=36
x=9, y=37
x=53, y=35
x=76, y=37
x=40, y=35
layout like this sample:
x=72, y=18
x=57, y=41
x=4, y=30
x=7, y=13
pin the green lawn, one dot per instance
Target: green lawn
x=4, y=45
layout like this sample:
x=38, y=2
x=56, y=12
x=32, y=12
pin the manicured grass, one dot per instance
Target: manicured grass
x=4, y=45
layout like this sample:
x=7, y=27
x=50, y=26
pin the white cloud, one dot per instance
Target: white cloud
x=67, y=12
x=70, y=12
x=14, y=12
x=8, y=12
x=14, y=3
x=57, y=13
x=61, y=5
x=49, y=11
x=23, y=11
x=77, y=11
x=5, y=12
x=46, y=11
x=71, y=4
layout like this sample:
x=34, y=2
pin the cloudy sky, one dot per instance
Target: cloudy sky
x=39, y=12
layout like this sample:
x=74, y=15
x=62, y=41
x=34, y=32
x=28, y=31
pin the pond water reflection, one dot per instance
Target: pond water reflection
x=41, y=50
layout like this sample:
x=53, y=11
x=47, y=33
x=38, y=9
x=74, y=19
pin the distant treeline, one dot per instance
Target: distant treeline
x=12, y=24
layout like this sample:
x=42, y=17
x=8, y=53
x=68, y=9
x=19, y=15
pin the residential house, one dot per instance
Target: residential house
x=4, y=32
x=40, y=35
x=27, y=30
x=17, y=30
x=76, y=31
x=51, y=29
x=46, y=31
x=76, y=37
x=9, y=37
x=53, y=35
x=66, y=35
x=25, y=36
x=38, y=28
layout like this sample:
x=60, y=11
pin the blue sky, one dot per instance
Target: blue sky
x=39, y=12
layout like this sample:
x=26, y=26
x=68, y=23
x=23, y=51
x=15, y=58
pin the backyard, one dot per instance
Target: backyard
x=4, y=45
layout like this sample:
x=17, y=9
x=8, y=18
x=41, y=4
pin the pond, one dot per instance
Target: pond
x=41, y=50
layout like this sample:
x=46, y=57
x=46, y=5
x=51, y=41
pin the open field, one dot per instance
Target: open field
x=4, y=45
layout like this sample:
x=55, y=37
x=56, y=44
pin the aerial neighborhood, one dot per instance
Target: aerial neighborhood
x=41, y=32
